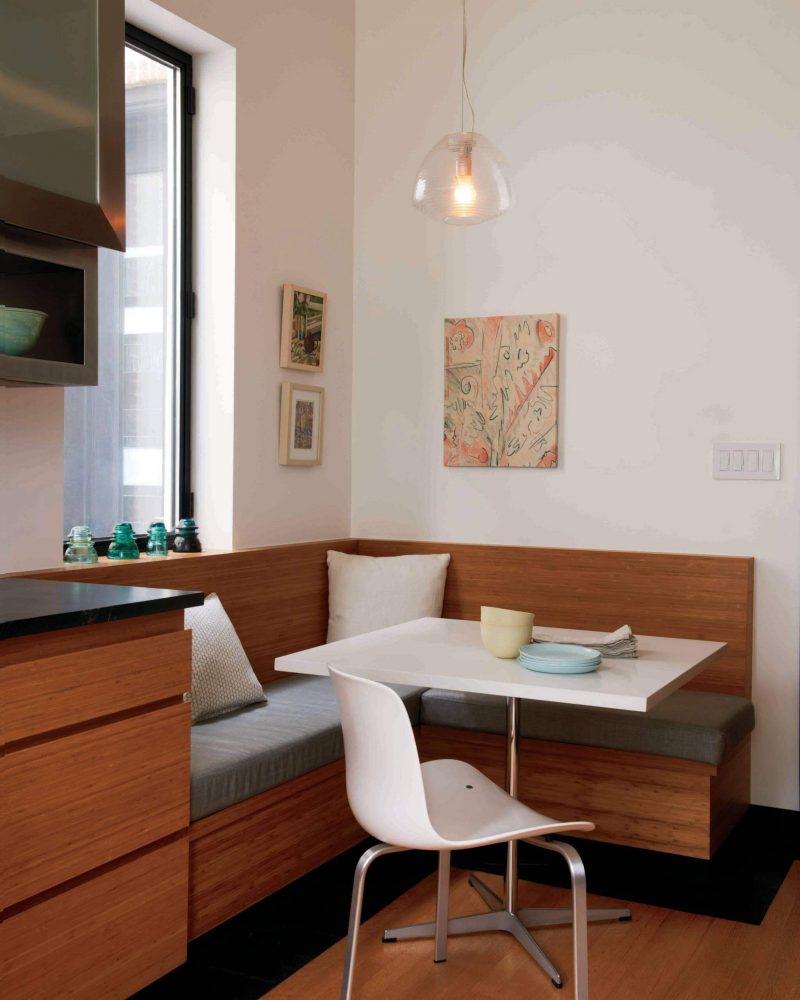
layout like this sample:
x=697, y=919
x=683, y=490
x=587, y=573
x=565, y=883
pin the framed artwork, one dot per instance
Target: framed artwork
x=301, y=424
x=501, y=392
x=303, y=328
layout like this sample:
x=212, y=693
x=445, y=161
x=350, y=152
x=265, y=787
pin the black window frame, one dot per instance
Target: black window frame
x=151, y=45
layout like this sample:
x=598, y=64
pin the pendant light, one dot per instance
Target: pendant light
x=464, y=179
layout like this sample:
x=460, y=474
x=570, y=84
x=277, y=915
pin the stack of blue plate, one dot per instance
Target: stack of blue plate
x=559, y=658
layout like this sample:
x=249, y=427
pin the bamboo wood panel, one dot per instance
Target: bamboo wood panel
x=70, y=640
x=61, y=691
x=730, y=794
x=684, y=596
x=276, y=597
x=107, y=936
x=255, y=847
x=74, y=803
x=642, y=800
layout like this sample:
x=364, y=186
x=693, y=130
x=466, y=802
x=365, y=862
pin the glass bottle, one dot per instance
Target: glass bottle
x=81, y=546
x=186, y=539
x=157, y=540
x=124, y=544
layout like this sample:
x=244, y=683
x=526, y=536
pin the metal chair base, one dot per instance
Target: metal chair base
x=519, y=922
x=497, y=920
x=536, y=916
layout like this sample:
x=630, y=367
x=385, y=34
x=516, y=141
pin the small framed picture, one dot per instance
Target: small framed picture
x=303, y=328
x=301, y=424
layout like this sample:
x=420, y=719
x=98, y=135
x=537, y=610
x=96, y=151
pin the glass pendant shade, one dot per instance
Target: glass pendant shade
x=463, y=181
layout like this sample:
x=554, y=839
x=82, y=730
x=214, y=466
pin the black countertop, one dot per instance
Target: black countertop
x=30, y=606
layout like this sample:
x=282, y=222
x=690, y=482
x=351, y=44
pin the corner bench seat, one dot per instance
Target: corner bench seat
x=241, y=754
x=277, y=599
x=692, y=725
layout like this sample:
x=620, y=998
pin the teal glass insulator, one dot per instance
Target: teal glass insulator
x=186, y=539
x=157, y=540
x=124, y=544
x=81, y=546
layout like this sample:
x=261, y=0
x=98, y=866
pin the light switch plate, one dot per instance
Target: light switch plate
x=747, y=460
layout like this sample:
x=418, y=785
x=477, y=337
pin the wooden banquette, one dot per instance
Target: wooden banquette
x=277, y=600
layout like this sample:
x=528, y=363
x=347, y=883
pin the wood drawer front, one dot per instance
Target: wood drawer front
x=47, y=694
x=77, y=802
x=105, y=937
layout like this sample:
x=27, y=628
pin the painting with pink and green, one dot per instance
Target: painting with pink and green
x=501, y=391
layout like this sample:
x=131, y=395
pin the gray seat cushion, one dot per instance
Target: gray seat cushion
x=695, y=725
x=243, y=753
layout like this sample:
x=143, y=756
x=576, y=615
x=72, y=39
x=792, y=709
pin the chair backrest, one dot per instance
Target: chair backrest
x=384, y=777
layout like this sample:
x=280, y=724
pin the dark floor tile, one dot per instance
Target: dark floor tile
x=201, y=983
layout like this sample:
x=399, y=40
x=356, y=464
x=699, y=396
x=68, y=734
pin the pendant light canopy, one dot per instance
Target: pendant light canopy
x=464, y=179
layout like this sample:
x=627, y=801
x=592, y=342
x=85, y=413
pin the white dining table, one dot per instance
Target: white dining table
x=448, y=653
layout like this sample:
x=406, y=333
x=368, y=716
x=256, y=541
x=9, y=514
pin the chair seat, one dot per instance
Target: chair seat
x=244, y=753
x=694, y=725
x=469, y=810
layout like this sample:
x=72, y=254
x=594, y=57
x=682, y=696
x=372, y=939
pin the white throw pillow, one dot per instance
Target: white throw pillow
x=369, y=592
x=222, y=678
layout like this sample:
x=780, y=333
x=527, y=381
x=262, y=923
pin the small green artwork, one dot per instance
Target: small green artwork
x=303, y=328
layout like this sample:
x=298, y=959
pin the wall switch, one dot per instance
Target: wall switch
x=746, y=460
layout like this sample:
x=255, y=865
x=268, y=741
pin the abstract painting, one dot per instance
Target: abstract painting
x=501, y=392
x=301, y=424
x=303, y=328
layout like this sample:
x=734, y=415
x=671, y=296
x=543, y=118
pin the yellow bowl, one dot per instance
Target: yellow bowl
x=504, y=641
x=504, y=616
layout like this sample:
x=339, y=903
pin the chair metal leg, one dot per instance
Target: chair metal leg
x=442, y=899
x=537, y=916
x=492, y=900
x=356, y=901
x=579, y=913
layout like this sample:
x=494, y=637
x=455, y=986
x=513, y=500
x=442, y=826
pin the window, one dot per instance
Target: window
x=127, y=439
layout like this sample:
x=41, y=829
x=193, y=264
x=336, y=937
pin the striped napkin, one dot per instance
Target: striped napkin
x=621, y=643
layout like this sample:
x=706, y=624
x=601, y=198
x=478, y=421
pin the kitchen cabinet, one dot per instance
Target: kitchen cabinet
x=94, y=786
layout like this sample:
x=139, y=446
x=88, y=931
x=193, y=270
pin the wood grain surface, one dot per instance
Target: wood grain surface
x=255, y=847
x=656, y=593
x=79, y=801
x=276, y=597
x=661, y=955
x=641, y=800
x=60, y=691
x=105, y=937
x=70, y=640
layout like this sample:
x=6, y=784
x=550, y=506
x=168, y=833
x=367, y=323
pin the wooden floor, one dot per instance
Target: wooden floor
x=661, y=955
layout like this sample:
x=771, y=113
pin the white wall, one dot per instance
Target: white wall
x=31, y=477
x=294, y=223
x=655, y=149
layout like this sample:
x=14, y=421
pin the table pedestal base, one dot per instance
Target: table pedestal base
x=516, y=923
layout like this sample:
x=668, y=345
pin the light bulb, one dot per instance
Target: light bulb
x=464, y=194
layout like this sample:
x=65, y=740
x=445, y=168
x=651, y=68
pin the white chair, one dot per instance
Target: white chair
x=443, y=806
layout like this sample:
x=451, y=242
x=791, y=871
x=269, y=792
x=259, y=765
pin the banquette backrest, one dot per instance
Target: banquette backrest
x=277, y=596
x=656, y=593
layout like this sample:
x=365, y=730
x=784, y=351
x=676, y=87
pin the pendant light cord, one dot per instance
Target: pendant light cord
x=464, y=88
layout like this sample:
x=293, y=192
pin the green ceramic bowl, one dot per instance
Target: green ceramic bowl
x=19, y=329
